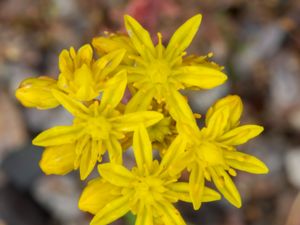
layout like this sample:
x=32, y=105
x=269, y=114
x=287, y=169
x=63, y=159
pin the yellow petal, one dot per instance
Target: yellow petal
x=139, y=36
x=179, y=107
x=107, y=64
x=58, y=159
x=112, y=211
x=140, y=101
x=240, y=135
x=36, y=92
x=245, y=162
x=183, y=36
x=85, y=53
x=89, y=156
x=226, y=186
x=57, y=136
x=142, y=148
x=144, y=216
x=170, y=215
x=76, y=108
x=107, y=44
x=114, y=90
x=97, y=194
x=130, y=121
x=174, y=152
x=216, y=124
x=196, y=185
x=116, y=174
x=180, y=190
x=84, y=84
x=114, y=149
x=235, y=107
x=65, y=61
x=210, y=195
x=200, y=76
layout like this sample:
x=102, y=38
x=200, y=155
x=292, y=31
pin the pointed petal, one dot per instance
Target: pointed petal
x=88, y=159
x=196, y=185
x=84, y=83
x=139, y=36
x=97, y=194
x=183, y=36
x=240, y=135
x=144, y=216
x=140, y=101
x=74, y=107
x=58, y=159
x=245, y=162
x=235, y=107
x=142, y=148
x=179, y=107
x=181, y=191
x=112, y=211
x=114, y=90
x=226, y=186
x=108, y=63
x=175, y=151
x=217, y=124
x=200, y=76
x=131, y=121
x=114, y=149
x=57, y=136
x=170, y=215
x=116, y=174
x=210, y=195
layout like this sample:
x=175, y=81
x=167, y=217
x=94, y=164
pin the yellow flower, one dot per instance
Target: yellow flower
x=80, y=76
x=36, y=92
x=159, y=71
x=96, y=128
x=147, y=190
x=212, y=153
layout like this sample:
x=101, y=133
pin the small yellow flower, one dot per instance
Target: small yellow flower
x=212, y=153
x=95, y=129
x=36, y=92
x=159, y=71
x=81, y=77
x=147, y=190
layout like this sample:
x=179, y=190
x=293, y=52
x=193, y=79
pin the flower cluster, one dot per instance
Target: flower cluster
x=124, y=91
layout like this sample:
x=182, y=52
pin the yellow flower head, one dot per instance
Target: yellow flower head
x=147, y=190
x=81, y=76
x=212, y=154
x=96, y=128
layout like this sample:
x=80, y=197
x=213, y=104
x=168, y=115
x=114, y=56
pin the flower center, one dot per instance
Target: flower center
x=98, y=127
x=149, y=189
x=210, y=154
x=158, y=71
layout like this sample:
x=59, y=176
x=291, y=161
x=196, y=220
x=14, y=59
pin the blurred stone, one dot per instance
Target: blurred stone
x=284, y=84
x=261, y=44
x=60, y=195
x=39, y=120
x=21, y=168
x=292, y=166
x=12, y=129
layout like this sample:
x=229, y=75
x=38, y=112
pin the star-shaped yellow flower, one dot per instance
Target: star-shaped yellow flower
x=147, y=190
x=158, y=72
x=96, y=128
x=212, y=153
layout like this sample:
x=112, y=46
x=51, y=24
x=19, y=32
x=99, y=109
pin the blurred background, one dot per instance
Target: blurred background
x=257, y=41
